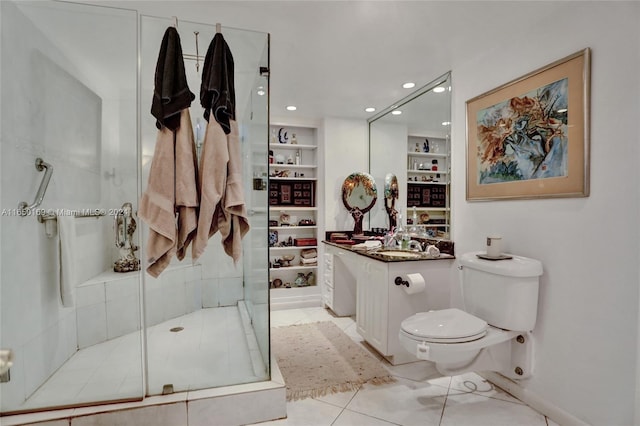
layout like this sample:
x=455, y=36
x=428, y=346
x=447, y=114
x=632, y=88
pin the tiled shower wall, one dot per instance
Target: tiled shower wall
x=55, y=108
x=108, y=305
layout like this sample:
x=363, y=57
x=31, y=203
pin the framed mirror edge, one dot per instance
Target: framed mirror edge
x=443, y=78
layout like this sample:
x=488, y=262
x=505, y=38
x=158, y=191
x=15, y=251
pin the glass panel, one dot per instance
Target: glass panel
x=256, y=135
x=414, y=146
x=68, y=97
x=204, y=319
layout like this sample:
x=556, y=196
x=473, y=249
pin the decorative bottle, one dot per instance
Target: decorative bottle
x=414, y=221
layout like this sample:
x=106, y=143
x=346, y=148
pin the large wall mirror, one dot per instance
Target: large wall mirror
x=411, y=140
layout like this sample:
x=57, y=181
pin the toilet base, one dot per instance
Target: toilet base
x=512, y=358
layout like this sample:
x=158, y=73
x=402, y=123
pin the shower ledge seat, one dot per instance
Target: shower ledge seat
x=108, y=305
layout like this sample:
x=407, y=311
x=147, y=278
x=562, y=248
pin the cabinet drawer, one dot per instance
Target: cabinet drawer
x=328, y=261
x=328, y=280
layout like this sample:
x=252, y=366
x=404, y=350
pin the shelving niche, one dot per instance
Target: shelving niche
x=428, y=182
x=293, y=216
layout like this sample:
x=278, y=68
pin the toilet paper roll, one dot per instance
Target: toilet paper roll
x=416, y=283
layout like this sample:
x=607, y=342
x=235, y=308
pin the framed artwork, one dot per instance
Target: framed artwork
x=529, y=138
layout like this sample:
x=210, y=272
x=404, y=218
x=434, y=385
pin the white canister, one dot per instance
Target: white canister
x=494, y=245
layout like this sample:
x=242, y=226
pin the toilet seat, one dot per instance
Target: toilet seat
x=444, y=326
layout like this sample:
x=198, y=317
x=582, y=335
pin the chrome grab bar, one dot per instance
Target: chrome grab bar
x=40, y=166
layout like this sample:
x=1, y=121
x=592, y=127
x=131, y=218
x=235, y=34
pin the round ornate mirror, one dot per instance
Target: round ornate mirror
x=359, y=194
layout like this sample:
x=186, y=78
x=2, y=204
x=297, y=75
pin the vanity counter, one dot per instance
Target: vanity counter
x=411, y=256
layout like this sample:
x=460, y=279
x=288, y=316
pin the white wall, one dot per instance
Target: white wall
x=586, y=348
x=587, y=330
x=346, y=151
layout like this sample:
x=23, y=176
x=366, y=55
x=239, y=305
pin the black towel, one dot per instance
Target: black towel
x=171, y=94
x=217, y=92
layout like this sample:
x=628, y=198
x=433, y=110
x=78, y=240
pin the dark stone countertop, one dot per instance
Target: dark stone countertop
x=379, y=254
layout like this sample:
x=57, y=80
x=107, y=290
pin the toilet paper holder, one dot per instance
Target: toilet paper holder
x=400, y=281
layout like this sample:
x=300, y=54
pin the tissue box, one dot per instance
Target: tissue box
x=305, y=242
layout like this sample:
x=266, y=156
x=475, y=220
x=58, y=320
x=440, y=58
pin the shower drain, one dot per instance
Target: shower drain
x=176, y=329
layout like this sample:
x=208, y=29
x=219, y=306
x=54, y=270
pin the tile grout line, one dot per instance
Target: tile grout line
x=444, y=405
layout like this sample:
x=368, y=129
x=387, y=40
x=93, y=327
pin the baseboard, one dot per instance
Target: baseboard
x=533, y=400
x=295, y=301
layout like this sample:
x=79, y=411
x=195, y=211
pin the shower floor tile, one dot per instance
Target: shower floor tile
x=210, y=350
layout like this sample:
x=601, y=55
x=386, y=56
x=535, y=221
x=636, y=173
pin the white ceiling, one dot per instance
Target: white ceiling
x=327, y=58
x=333, y=58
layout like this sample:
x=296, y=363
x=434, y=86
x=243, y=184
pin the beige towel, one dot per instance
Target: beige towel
x=167, y=193
x=233, y=222
x=213, y=180
x=222, y=196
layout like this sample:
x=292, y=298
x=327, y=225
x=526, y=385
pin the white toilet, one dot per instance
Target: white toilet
x=493, y=332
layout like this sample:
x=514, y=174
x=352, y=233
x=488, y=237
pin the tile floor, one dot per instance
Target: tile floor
x=421, y=396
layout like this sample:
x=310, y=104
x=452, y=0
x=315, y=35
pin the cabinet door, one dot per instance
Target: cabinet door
x=372, y=305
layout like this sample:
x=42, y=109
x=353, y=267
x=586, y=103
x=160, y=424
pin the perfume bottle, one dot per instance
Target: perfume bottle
x=297, y=155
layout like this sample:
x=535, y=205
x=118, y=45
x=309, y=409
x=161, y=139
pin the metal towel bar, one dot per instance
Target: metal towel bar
x=40, y=166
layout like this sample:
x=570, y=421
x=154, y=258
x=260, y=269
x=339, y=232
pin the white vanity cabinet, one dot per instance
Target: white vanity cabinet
x=381, y=305
x=372, y=304
x=340, y=276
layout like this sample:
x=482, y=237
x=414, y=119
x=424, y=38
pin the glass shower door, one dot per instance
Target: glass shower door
x=256, y=258
x=68, y=150
x=207, y=321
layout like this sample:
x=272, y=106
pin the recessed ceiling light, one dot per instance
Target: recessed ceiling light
x=439, y=89
x=446, y=123
x=291, y=108
x=409, y=85
x=396, y=112
x=261, y=91
x=369, y=109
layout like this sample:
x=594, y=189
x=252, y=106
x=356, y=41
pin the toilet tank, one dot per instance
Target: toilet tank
x=502, y=292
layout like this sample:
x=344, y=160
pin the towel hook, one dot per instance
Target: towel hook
x=197, y=52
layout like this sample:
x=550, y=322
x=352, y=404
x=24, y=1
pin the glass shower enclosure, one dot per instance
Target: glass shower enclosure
x=76, y=143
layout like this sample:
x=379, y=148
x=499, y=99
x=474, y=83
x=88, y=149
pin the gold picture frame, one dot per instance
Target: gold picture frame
x=529, y=138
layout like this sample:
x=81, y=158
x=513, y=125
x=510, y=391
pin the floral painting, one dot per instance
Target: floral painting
x=524, y=137
x=529, y=138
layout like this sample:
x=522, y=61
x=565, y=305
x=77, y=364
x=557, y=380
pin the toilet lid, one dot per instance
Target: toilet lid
x=446, y=325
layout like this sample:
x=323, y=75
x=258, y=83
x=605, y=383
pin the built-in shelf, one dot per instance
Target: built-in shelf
x=292, y=209
x=292, y=248
x=291, y=178
x=432, y=209
x=293, y=166
x=427, y=154
x=426, y=172
x=294, y=268
x=294, y=195
x=418, y=182
x=293, y=228
x=291, y=146
x=427, y=195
